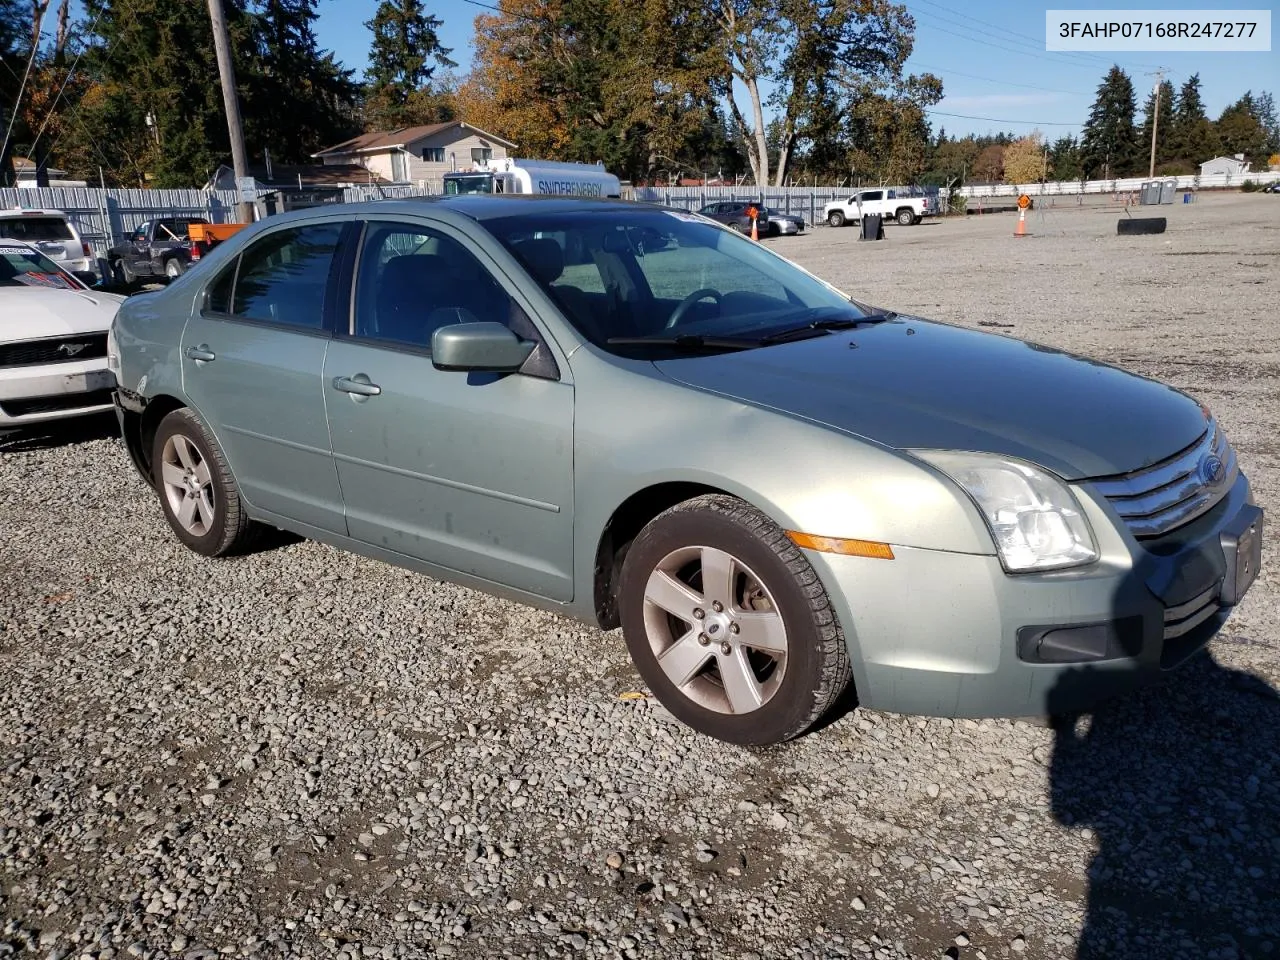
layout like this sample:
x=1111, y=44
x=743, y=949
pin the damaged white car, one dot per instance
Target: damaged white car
x=53, y=340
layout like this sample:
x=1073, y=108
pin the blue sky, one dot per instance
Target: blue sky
x=990, y=56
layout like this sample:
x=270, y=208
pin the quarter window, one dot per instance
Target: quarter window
x=283, y=276
x=413, y=280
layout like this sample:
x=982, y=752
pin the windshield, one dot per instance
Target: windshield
x=34, y=229
x=479, y=183
x=661, y=274
x=24, y=267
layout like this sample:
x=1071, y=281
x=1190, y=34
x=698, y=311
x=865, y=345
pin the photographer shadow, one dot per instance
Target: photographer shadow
x=1180, y=784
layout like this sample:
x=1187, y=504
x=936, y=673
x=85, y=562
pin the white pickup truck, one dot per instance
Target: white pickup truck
x=906, y=210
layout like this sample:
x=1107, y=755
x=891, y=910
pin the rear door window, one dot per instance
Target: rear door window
x=283, y=277
x=34, y=229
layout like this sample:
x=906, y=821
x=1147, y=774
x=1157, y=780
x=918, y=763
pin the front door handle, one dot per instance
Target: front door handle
x=201, y=354
x=359, y=386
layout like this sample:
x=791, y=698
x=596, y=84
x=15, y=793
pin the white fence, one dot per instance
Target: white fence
x=1126, y=185
x=105, y=217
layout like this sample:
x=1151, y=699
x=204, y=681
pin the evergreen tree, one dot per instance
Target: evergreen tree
x=1194, y=140
x=1064, y=159
x=1240, y=131
x=299, y=99
x=1164, y=128
x=1265, y=110
x=402, y=61
x=1110, y=146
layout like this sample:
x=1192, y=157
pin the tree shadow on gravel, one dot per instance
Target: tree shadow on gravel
x=1181, y=785
x=60, y=433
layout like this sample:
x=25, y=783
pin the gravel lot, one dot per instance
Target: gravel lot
x=304, y=753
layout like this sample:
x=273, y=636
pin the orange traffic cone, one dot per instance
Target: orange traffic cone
x=755, y=234
x=1021, y=229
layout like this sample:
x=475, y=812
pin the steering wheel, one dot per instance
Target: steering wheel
x=687, y=303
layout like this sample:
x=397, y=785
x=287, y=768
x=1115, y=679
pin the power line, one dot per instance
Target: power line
x=1014, y=36
x=1003, y=83
x=84, y=47
x=1036, y=123
x=17, y=103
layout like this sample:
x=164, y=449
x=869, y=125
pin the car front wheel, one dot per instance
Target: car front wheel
x=198, y=495
x=728, y=623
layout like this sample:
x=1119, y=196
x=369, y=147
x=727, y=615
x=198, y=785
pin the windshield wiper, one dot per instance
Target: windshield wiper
x=818, y=328
x=686, y=341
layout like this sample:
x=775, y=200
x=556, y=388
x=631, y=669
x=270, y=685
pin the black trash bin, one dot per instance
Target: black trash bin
x=872, y=227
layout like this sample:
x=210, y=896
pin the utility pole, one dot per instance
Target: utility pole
x=227, y=71
x=1155, y=122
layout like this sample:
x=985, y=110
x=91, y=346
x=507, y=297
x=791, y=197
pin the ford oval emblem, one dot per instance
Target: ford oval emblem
x=1212, y=470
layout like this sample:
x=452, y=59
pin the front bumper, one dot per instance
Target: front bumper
x=947, y=634
x=54, y=391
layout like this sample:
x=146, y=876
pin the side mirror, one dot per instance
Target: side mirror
x=482, y=345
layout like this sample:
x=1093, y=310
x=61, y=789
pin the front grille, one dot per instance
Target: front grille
x=75, y=347
x=56, y=404
x=1161, y=498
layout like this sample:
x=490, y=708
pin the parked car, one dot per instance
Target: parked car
x=887, y=203
x=157, y=248
x=53, y=340
x=54, y=235
x=626, y=414
x=784, y=223
x=737, y=214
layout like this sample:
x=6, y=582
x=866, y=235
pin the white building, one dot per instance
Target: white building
x=418, y=155
x=1236, y=166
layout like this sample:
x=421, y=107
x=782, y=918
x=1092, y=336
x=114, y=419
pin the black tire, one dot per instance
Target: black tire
x=121, y=275
x=817, y=668
x=230, y=530
x=835, y=218
x=906, y=217
x=1136, y=226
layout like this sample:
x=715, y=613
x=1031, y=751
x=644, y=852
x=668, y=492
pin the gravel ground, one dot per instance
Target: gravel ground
x=304, y=753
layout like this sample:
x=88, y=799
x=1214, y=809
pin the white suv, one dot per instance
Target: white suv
x=53, y=234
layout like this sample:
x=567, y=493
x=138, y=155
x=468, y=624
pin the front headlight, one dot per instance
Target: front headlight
x=113, y=351
x=1034, y=518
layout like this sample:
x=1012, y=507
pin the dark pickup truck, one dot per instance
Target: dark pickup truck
x=157, y=248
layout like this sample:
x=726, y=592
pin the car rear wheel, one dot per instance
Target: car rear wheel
x=197, y=492
x=906, y=216
x=835, y=218
x=728, y=623
x=173, y=268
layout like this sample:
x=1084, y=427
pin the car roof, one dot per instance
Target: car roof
x=11, y=212
x=474, y=207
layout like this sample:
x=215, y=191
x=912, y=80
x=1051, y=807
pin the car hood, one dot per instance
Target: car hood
x=915, y=383
x=33, y=313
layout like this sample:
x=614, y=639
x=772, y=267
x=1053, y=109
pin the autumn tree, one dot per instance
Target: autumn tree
x=1110, y=146
x=822, y=60
x=989, y=165
x=403, y=59
x=628, y=82
x=1025, y=160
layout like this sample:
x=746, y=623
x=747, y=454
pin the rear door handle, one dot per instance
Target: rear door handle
x=201, y=354
x=358, y=385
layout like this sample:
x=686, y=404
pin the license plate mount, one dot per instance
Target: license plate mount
x=1242, y=550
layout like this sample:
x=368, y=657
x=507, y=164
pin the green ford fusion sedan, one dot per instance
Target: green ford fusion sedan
x=635, y=416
